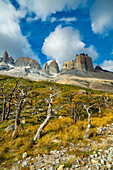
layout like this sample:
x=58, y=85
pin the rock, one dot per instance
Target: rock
x=24, y=164
x=32, y=167
x=7, y=59
x=61, y=167
x=26, y=61
x=24, y=155
x=23, y=121
x=69, y=65
x=82, y=62
x=53, y=67
x=94, y=161
x=83, y=92
x=9, y=128
x=4, y=66
x=98, y=68
x=45, y=67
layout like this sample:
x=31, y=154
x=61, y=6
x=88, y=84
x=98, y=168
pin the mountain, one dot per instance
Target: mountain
x=52, y=68
x=26, y=61
x=82, y=62
x=78, y=72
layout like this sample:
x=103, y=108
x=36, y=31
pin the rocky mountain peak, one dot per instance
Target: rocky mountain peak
x=7, y=59
x=82, y=62
x=45, y=67
x=26, y=61
x=53, y=67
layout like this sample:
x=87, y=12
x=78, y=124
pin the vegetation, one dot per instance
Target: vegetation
x=23, y=103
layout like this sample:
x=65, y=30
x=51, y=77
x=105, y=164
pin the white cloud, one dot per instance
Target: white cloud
x=44, y=8
x=69, y=19
x=102, y=16
x=11, y=38
x=64, y=43
x=107, y=65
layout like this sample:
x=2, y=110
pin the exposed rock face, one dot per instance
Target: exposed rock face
x=69, y=65
x=83, y=62
x=46, y=67
x=53, y=67
x=26, y=61
x=4, y=66
x=89, y=63
x=7, y=59
x=100, y=69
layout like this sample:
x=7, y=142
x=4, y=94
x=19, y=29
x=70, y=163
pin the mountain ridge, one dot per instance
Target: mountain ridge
x=79, y=72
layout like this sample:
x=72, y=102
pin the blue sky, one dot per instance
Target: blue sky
x=57, y=29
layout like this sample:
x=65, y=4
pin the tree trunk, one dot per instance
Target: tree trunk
x=4, y=109
x=17, y=119
x=42, y=126
x=89, y=125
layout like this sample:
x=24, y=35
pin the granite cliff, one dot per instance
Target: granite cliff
x=82, y=62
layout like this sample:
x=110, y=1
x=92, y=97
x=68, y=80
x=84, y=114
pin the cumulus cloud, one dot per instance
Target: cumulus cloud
x=44, y=8
x=64, y=43
x=107, y=65
x=11, y=38
x=102, y=16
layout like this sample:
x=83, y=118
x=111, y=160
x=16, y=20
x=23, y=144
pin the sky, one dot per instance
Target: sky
x=48, y=30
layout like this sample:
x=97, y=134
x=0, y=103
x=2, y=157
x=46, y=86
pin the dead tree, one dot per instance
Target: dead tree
x=10, y=99
x=4, y=98
x=46, y=121
x=89, y=120
x=19, y=107
x=105, y=100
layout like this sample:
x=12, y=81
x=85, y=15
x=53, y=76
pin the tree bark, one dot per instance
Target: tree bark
x=89, y=125
x=17, y=119
x=44, y=124
x=4, y=109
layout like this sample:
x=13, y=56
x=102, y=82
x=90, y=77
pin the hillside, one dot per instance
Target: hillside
x=63, y=142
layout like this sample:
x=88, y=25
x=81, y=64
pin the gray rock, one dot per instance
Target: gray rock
x=24, y=164
x=24, y=155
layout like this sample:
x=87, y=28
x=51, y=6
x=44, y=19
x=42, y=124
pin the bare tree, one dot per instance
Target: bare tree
x=105, y=100
x=10, y=99
x=46, y=121
x=19, y=107
x=89, y=120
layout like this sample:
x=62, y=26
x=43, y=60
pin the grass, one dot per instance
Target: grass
x=63, y=130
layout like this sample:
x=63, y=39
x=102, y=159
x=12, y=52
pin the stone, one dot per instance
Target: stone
x=24, y=155
x=94, y=161
x=24, y=164
x=61, y=167
x=32, y=167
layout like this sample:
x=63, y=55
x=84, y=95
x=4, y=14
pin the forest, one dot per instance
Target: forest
x=34, y=115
